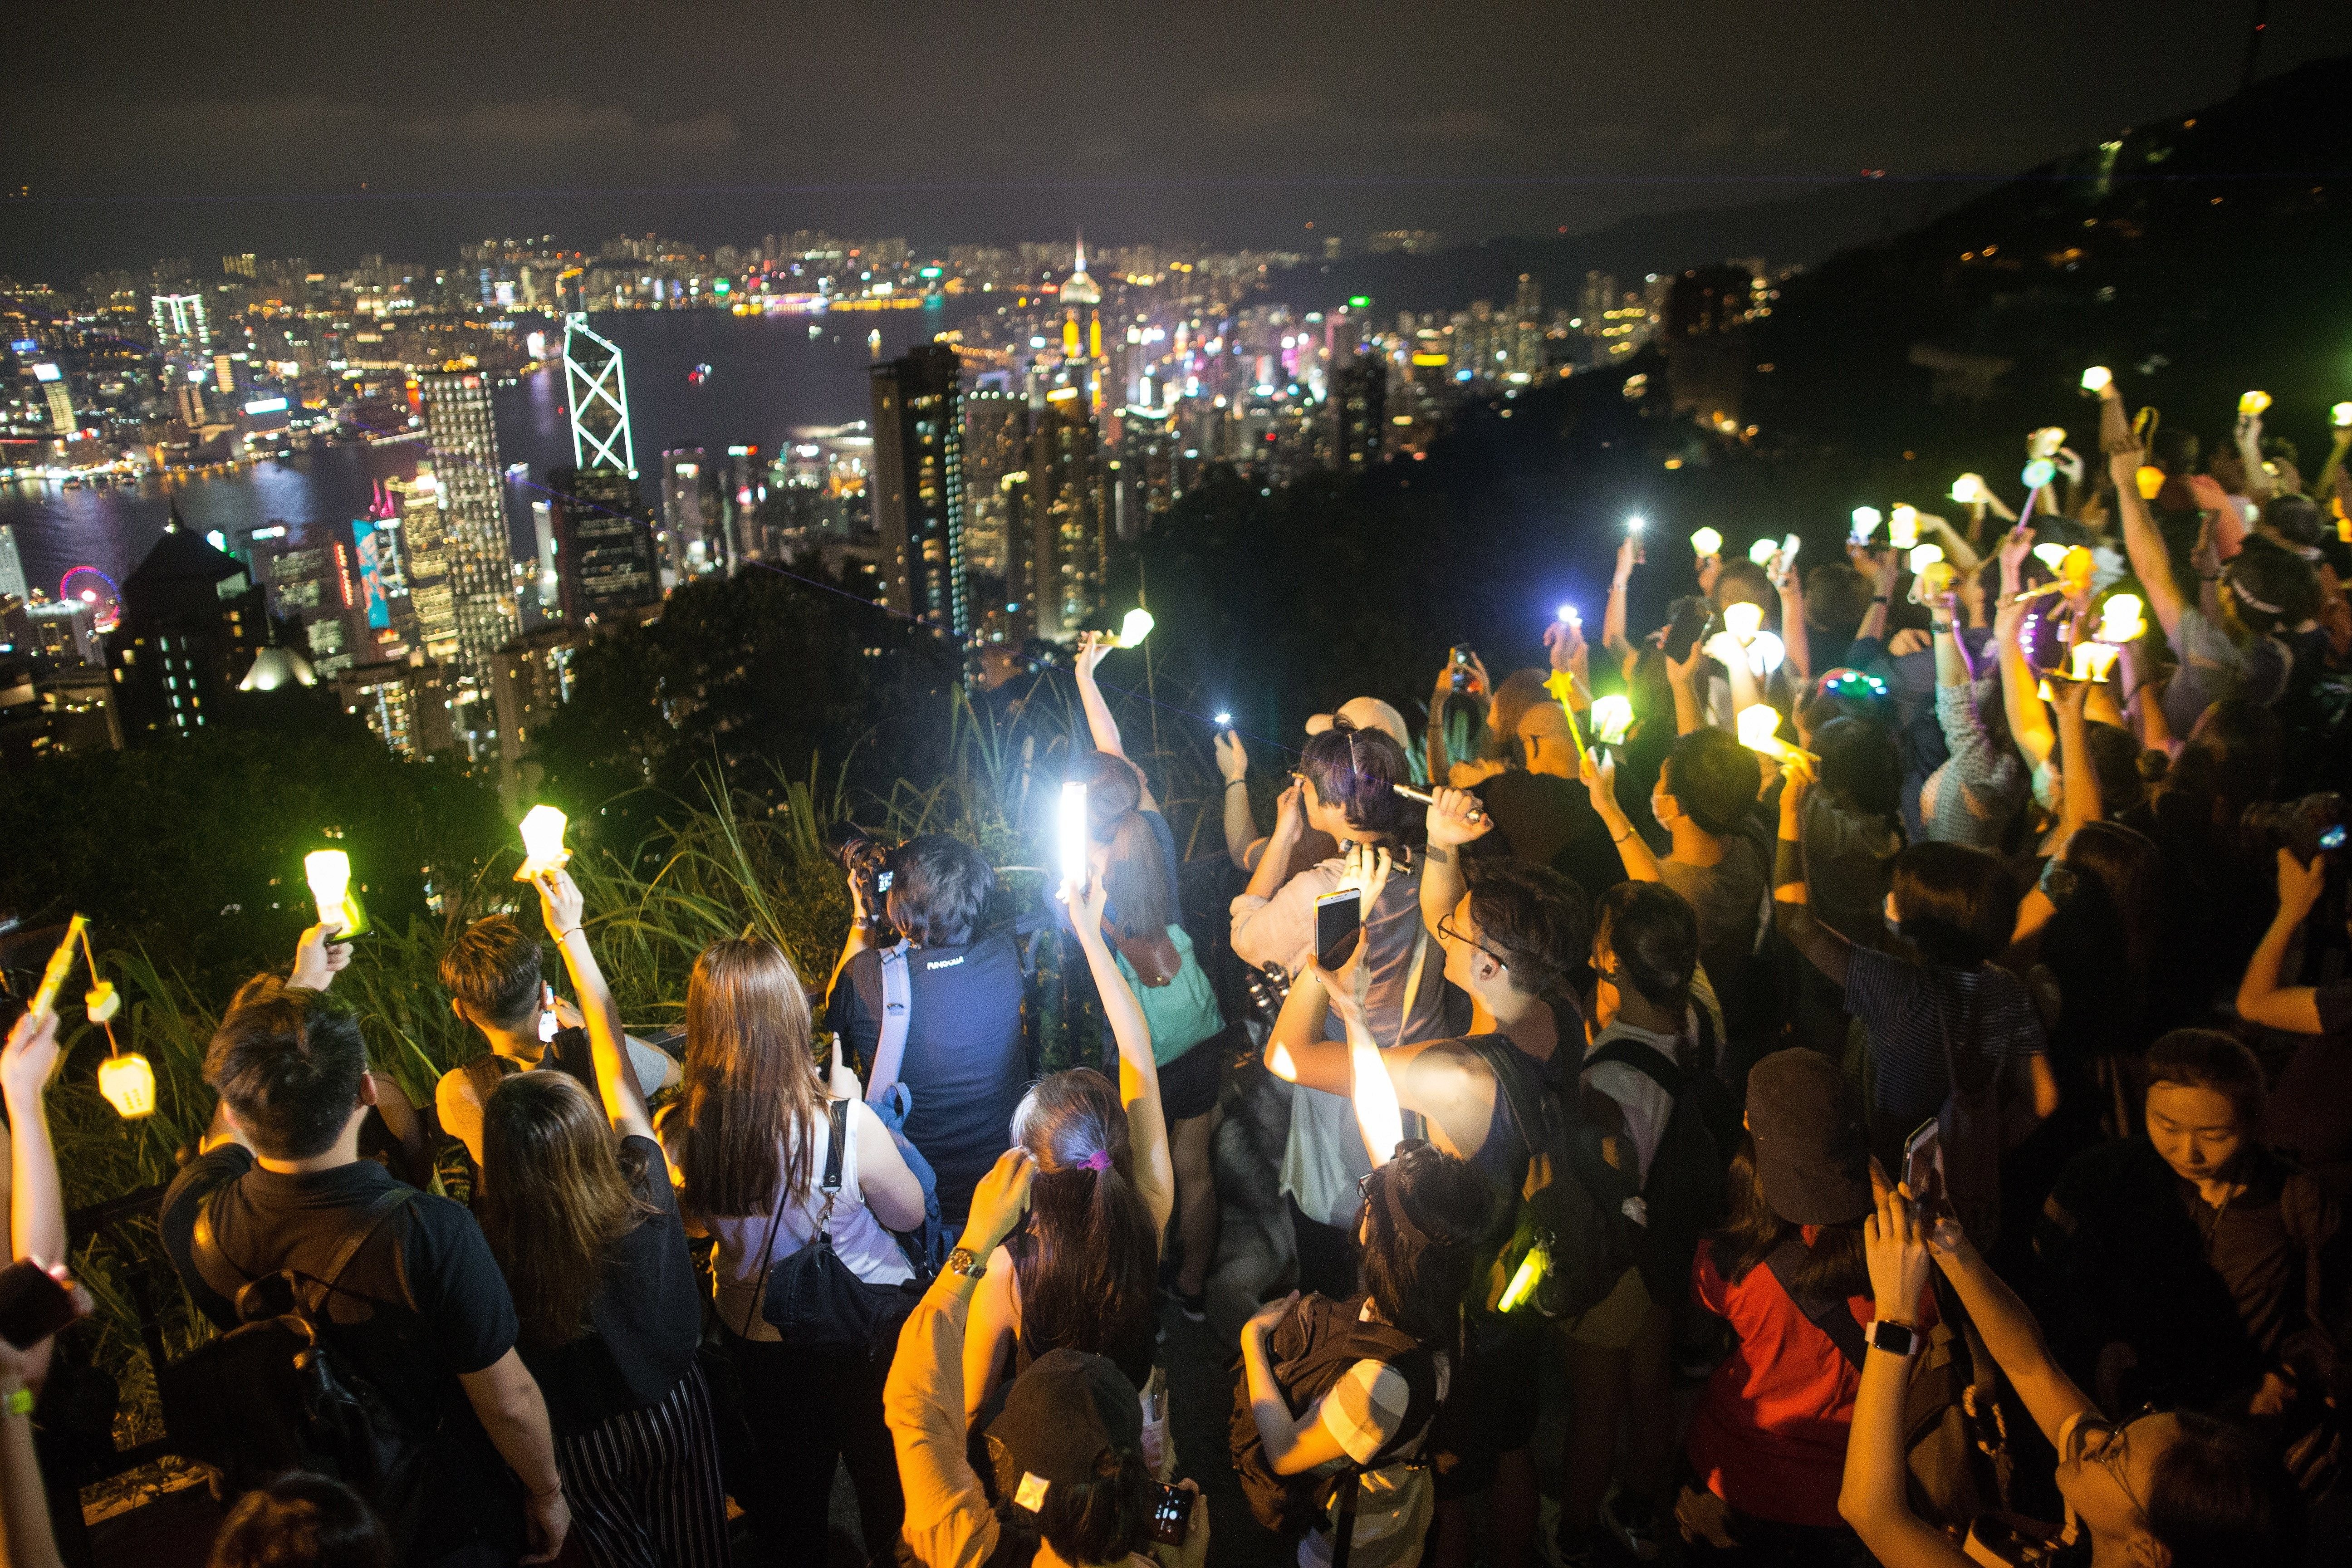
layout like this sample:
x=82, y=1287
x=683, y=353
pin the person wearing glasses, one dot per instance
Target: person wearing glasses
x=2155, y=1490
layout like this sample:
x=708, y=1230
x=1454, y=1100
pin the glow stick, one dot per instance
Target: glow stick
x=1612, y=716
x=2050, y=554
x=2150, y=480
x=2075, y=569
x=2252, y=402
x=1762, y=552
x=1071, y=826
x=2341, y=415
x=2093, y=660
x=1866, y=520
x=1765, y=652
x=2038, y=473
x=1743, y=620
x=1903, y=527
x=1925, y=556
x=2098, y=379
x=53, y=978
x=1136, y=627
x=1707, y=542
x=1760, y=723
x=1970, y=490
x=1789, y=548
x=1531, y=1271
x=2120, y=618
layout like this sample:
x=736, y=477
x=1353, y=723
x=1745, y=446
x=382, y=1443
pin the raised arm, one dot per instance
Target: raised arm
x=1875, y=1496
x=37, y=1208
x=1598, y=772
x=1451, y=829
x=1824, y=949
x=2331, y=473
x=1796, y=636
x=1612, y=616
x=2261, y=998
x=2151, y=562
x=1885, y=569
x=1093, y=647
x=562, y=908
x=2260, y=486
x=1138, y=1076
x=2079, y=787
x=2029, y=721
x=1683, y=680
x=1241, y=828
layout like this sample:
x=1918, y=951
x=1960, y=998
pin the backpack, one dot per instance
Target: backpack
x=1571, y=1237
x=1317, y=1342
x=1955, y=1438
x=275, y=1394
x=1682, y=1198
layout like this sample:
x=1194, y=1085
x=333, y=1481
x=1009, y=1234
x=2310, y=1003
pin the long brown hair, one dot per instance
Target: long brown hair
x=748, y=1097
x=1136, y=877
x=555, y=1199
x=1093, y=1271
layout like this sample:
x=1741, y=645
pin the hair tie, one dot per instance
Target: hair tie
x=1099, y=1161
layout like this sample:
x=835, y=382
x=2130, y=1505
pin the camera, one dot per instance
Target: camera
x=2311, y=826
x=874, y=864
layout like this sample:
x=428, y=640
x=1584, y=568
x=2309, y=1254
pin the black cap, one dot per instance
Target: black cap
x=1813, y=1150
x=1058, y=1417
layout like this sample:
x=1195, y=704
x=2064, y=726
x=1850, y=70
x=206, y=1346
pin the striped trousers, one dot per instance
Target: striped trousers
x=644, y=1488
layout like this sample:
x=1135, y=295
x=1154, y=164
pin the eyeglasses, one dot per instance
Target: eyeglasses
x=2102, y=1444
x=1445, y=932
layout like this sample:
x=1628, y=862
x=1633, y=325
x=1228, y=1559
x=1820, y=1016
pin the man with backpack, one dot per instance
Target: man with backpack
x=1639, y=1089
x=412, y=1318
x=1511, y=937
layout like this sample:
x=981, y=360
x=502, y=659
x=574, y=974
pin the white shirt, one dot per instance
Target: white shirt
x=1646, y=1105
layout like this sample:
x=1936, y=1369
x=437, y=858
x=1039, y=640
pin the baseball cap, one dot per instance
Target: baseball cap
x=1058, y=1417
x=1813, y=1152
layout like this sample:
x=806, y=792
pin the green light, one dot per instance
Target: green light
x=928, y=272
x=720, y=287
x=1359, y=301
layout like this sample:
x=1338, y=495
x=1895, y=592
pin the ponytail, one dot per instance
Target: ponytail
x=1089, y=1270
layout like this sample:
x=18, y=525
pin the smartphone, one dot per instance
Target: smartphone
x=1338, y=923
x=1171, y=1514
x=2333, y=838
x=1460, y=655
x=1923, y=1166
x=33, y=1305
x=1691, y=616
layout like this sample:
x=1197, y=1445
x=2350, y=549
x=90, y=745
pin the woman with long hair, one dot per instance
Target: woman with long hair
x=1422, y=1218
x=577, y=1206
x=1084, y=1273
x=747, y=1140
x=1767, y=1445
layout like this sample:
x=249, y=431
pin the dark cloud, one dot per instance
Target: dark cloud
x=325, y=128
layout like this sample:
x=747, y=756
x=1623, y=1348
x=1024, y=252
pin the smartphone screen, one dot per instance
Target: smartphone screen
x=32, y=1305
x=1923, y=1165
x=1689, y=622
x=1171, y=1514
x=1339, y=922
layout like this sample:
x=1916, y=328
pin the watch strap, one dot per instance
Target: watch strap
x=962, y=1261
x=1893, y=1338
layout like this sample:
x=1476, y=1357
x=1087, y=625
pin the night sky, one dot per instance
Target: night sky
x=328, y=130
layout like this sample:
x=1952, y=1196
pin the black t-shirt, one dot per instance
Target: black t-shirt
x=2308, y=1113
x=421, y=1302
x=1551, y=821
x=644, y=1322
x=964, y=1061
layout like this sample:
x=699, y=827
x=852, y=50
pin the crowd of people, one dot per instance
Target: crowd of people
x=1946, y=1063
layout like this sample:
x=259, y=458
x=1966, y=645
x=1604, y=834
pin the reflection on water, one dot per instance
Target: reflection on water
x=766, y=375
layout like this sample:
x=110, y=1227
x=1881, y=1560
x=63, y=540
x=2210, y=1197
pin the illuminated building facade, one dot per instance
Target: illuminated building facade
x=182, y=329
x=918, y=489
x=191, y=626
x=476, y=551
x=1070, y=549
x=604, y=560
x=1360, y=412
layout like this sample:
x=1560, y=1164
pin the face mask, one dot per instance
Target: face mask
x=1661, y=808
x=1893, y=926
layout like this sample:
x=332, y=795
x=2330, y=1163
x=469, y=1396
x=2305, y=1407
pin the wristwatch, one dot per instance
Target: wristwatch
x=1893, y=1338
x=962, y=1261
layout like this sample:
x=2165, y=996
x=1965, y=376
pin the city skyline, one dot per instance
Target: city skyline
x=1471, y=122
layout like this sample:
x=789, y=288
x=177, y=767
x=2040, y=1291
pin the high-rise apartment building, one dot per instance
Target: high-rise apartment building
x=191, y=626
x=596, y=390
x=691, y=540
x=477, y=552
x=182, y=328
x=13, y=585
x=1360, y=410
x=604, y=560
x=1068, y=503
x=917, y=486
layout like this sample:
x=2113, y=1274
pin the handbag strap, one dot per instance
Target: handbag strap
x=767, y=1259
x=836, y=1146
x=1832, y=1318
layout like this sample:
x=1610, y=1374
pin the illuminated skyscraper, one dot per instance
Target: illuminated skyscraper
x=1360, y=405
x=603, y=543
x=476, y=551
x=692, y=542
x=1067, y=498
x=596, y=389
x=918, y=486
x=182, y=330
x=1082, y=327
x=59, y=393
x=12, y=566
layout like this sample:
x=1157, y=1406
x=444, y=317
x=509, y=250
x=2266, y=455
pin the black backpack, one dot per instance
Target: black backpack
x=1310, y=1348
x=1682, y=1198
x=1570, y=1209
x=275, y=1394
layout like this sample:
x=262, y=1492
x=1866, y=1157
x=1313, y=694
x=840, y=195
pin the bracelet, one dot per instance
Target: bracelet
x=18, y=1401
x=562, y=934
x=1941, y=629
x=1230, y=782
x=1615, y=838
x=549, y=1492
x=1880, y=598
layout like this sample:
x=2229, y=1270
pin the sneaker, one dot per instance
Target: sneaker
x=1633, y=1523
x=1194, y=1307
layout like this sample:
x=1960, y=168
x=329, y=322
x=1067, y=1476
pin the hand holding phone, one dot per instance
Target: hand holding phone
x=1923, y=1169
x=1338, y=927
x=33, y=1304
x=1172, y=1513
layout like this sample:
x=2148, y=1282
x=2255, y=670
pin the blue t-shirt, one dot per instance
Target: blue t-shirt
x=965, y=1062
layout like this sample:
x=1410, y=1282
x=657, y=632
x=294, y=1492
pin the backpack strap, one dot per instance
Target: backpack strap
x=890, y=1045
x=214, y=1263
x=1645, y=1059
x=1835, y=1318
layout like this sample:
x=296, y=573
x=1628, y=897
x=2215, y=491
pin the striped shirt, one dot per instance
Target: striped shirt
x=1906, y=1009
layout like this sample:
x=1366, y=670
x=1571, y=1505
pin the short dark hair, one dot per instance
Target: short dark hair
x=1537, y=920
x=1714, y=779
x=1958, y=904
x=941, y=886
x=1652, y=933
x=1105, y=1519
x=1355, y=773
x=288, y=1060
x=1419, y=1283
x=2269, y=572
x=2217, y=1496
x=2208, y=1058
x=1741, y=581
x=1859, y=762
x=300, y=1520
x=2297, y=520
x=493, y=968
x=1837, y=599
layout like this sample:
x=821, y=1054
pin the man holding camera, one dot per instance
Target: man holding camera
x=955, y=1040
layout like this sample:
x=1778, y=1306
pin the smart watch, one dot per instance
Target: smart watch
x=1893, y=1338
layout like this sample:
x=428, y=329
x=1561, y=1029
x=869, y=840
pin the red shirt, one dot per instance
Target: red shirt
x=1769, y=1435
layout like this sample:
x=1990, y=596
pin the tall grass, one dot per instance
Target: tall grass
x=743, y=856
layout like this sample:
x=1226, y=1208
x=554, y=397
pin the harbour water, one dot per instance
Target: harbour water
x=766, y=374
